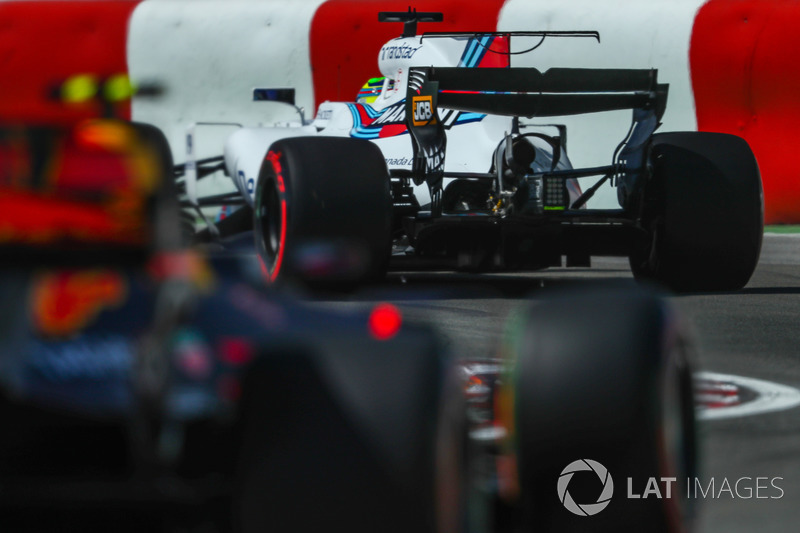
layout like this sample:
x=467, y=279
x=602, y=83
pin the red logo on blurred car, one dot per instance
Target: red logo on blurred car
x=66, y=302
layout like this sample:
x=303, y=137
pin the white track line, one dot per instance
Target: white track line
x=777, y=234
x=769, y=397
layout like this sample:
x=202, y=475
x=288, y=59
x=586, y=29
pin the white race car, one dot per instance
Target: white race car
x=438, y=164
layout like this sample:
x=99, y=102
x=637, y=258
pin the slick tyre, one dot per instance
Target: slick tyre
x=600, y=378
x=322, y=212
x=332, y=436
x=704, y=211
x=172, y=227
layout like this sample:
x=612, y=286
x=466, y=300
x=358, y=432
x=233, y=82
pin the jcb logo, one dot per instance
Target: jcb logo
x=423, y=110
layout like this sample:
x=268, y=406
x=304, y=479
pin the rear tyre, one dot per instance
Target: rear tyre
x=704, y=210
x=323, y=211
x=601, y=376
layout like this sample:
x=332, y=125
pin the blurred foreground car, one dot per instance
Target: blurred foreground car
x=473, y=183
x=135, y=379
x=146, y=388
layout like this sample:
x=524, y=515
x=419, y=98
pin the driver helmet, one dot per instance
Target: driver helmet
x=370, y=91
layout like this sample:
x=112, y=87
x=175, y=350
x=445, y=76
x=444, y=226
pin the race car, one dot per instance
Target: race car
x=441, y=164
x=144, y=387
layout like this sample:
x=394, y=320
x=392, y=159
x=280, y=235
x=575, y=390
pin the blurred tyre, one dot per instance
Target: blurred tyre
x=359, y=434
x=599, y=378
x=174, y=228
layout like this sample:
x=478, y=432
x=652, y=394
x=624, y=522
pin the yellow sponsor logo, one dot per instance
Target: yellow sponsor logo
x=423, y=112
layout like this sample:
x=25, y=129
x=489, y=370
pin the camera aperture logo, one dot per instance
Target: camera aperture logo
x=585, y=509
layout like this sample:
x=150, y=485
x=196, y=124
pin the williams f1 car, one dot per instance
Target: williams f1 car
x=439, y=164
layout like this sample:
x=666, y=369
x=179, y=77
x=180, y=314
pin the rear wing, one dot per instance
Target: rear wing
x=520, y=92
x=527, y=92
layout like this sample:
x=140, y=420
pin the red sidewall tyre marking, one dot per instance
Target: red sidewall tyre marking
x=274, y=159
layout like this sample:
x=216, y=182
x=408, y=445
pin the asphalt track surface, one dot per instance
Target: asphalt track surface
x=753, y=333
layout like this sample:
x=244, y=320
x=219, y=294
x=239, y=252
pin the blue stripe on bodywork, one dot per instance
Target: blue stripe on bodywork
x=360, y=131
x=468, y=52
x=475, y=50
x=485, y=43
x=464, y=118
